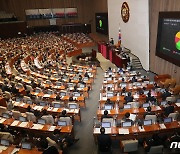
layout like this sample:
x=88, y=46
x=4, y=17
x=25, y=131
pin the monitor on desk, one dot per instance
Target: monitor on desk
x=85, y=79
x=22, y=119
x=162, y=90
x=127, y=106
x=72, y=106
x=62, y=123
x=4, y=142
x=6, y=115
x=42, y=103
x=147, y=122
x=26, y=145
x=146, y=92
x=167, y=120
x=110, y=85
x=108, y=79
x=123, y=85
x=127, y=124
x=77, y=94
x=62, y=93
x=81, y=86
x=145, y=105
x=41, y=121
x=163, y=103
x=108, y=107
x=106, y=124
x=57, y=105
x=29, y=102
x=18, y=99
x=110, y=94
x=70, y=85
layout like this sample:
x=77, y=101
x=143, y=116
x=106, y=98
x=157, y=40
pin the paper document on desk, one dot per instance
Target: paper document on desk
x=72, y=110
x=16, y=103
x=123, y=131
x=23, y=124
x=162, y=126
x=107, y=130
x=46, y=95
x=40, y=108
x=15, y=150
x=22, y=104
x=55, y=109
x=141, y=129
x=178, y=104
x=132, y=117
x=52, y=128
x=158, y=108
x=2, y=148
x=15, y=123
x=2, y=120
x=57, y=87
x=37, y=126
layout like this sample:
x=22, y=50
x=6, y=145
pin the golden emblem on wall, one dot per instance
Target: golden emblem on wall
x=125, y=12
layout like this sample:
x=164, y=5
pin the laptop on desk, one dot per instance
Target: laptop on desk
x=127, y=106
x=62, y=123
x=163, y=103
x=6, y=115
x=147, y=122
x=107, y=126
x=127, y=124
x=168, y=120
x=72, y=106
x=145, y=105
x=22, y=119
x=108, y=107
x=57, y=105
x=41, y=121
x=26, y=145
x=4, y=142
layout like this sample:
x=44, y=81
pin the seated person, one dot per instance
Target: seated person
x=134, y=79
x=108, y=101
x=128, y=98
x=154, y=141
x=166, y=94
x=64, y=114
x=105, y=115
x=104, y=141
x=148, y=112
x=168, y=109
x=127, y=118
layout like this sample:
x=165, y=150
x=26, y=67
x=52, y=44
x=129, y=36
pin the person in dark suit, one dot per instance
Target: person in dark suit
x=64, y=114
x=127, y=118
x=166, y=94
x=51, y=150
x=105, y=115
x=154, y=141
x=168, y=109
x=134, y=79
x=104, y=141
x=148, y=112
x=128, y=98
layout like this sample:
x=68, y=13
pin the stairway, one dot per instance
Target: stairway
x=136, y=64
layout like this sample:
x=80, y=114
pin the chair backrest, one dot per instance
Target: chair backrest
x=152, y=117
x=130, y=145
x=8, y=94
x=50, y=92
x=31, y=117
x=16, y=114
x=49, y=119
x=67, y=119
x=29, y=88
x=171, y=99
x=111, y=120
x=7, y=136
x=174, y=115
x=2, y=110
x=156, y=149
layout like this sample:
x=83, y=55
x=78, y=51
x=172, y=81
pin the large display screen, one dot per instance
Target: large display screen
x=102, y=23
x=168, y=39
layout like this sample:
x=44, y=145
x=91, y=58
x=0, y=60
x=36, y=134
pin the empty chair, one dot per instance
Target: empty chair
x=156, y=149
x=16, y=114
x=66, y=119
x=2, y=110
x=129, y=145
x=49, y=119
x=174, y=115
x=151, y=117
x=111, y=120
x=171, y=99
x=30, y=117
x=29, y=88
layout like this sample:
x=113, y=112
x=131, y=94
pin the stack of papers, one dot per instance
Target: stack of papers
x=37, y=126
x=15, y=150
x=2, y=120
x=46, y=95
x=2, y=148
x=23, y=124
x=123, y=131
x=132, y=117
x=178, y=104
x=52, y=128
x=162, y=126
x=15, y=123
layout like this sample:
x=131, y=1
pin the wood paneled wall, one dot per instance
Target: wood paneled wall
x=158, y=65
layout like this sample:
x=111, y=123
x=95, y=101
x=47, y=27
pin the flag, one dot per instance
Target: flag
x=119, y=37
